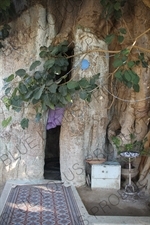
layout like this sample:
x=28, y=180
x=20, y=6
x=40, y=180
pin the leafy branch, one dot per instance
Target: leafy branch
x=132, y=145
x=48, y=87
x=124, y=66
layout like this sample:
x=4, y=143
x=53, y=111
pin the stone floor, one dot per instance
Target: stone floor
x=110, y=202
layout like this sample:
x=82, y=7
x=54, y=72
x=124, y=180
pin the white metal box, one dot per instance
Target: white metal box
x=106, y=175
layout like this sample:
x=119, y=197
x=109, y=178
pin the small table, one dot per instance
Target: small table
x=129, y=188
x=104, y=174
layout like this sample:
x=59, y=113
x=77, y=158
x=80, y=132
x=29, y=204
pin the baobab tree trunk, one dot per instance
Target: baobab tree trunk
x=85, y=131
x=131, y=108
x=129, y=112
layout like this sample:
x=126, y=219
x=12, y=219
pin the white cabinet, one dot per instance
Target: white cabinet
x=106, y=175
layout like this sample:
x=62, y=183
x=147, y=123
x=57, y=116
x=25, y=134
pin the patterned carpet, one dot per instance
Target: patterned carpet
x=49, y=204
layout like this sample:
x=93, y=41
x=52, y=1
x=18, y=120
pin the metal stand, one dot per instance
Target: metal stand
x=129, y=188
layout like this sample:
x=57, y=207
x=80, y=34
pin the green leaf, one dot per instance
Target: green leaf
x=35, y=101
x=50, y=48
x=65, y=43
x=51, y=105
x=61, y=61
x=109, y=38
x=72, y=84
x=24, y=123
x=83, y=83
x=68, y=97
x=9, y=79
x=118, y=74
x=52, y=88
x=7, y=91
x=117, y=63
x=43, y=48
x=63, y=90
x=144, y=64
x=130, y=64
x=43, y=54
x=47, y=101
x=16, y=102
x=128, y=84
x=56, y=50
x=135, y=78
x=14, y=92
x=22, y=88
x=21, y=72
x=6, y=121
x=49, y=63
x=28, y=80
x=38, y=92
x=83, y=94
x=44, y=107
x=127, y=75
x=28, y=95
x=34, y=65
x=122, y=31
x=117, y=6
x=120, y=38
x=48, y=83
x=6, y=101
x=136, y=87
x=96, y=76
x=62, y=99
x=125, y=52
x=37, y=75
x=89, y=97
x=64, y=68
x=137, y=62
x=44, y=76
x=64, y=49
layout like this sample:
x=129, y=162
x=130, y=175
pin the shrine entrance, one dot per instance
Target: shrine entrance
x=52, y=165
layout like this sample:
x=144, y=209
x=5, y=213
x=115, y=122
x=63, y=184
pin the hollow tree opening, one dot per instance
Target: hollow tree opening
x=52, y=150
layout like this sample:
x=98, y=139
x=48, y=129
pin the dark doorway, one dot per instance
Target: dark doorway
x=52, y=165
x=52, y=150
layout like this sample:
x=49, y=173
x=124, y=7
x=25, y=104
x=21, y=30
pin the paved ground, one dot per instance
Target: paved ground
x=113, y=203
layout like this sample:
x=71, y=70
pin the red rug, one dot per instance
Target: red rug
x=49, y=204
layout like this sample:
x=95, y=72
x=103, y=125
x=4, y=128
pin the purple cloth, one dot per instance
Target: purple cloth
x=55, y=118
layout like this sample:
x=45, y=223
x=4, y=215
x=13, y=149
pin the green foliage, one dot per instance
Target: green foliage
x=112, y=9
x=7, y=11
x=133, y=145
x=48, y=87
x=109, y=38
x=24, y=123
x=119, y=36
x=125, y=69
x=6, y=122
x=4, y=4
